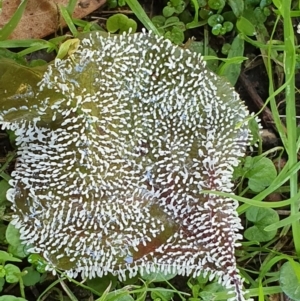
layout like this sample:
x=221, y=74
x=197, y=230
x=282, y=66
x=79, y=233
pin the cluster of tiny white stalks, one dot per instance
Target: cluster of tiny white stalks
x=112, y=184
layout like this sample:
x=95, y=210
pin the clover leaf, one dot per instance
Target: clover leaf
x=289, y=280
x=121, y=23
x=260, y=171
x=260, y=217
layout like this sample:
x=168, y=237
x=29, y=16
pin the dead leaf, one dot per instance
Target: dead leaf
x=41, y=17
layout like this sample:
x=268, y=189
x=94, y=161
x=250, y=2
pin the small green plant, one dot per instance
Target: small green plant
x=169, y=24
x=219, y=27
x=260, y=172
x=261, y=218
x=120, y=23
x=174, y=7
x=37, y=262
x=170, y=27
x=206, y=290
x=9, y=272
x=115, y=3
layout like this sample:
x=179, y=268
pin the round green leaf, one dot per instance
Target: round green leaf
x=263, y=216
x=223, y=30
x=4, y=256
x=259, y=15
x=201, y=3
x=215, y=19
x=261, y=172
x=38, y=261
x=159, y=21
x=12, y=273
x=257, y=233
x=12, y=235
x=32, y=277
x=168, y=11
x=19, y=250
x=112, y=3
x=179, y=6
x=216, y=4
x=172, y=20
x=122, y=2
x=115, y=22
x=15, y=245
x=228, y=25
x=225, y=48
x=131, y=24
x=121, y=23
x=289, y=279
x=216, y=29
x=175, y=35
x=260, y=217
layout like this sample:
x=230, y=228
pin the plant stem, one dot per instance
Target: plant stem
x=22, y=290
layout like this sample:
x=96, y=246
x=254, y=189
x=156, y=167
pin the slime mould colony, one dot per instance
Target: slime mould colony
x=115, y=145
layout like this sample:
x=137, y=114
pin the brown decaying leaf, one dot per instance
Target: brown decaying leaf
x=41, y=17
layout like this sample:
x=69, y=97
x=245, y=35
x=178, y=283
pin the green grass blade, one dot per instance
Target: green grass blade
x=284, y=222
x=67, y=17
x=31, y=50
x=25, y=43
x=272, y=93
x=68, y=291
x=141, y=15
x=291, y=122
x=250, y=202
x=9, y=27
x=49, y=288
x=282, y=178
x=71, y=6
x=298, y=144
x=29, y=45
x=229, y=70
